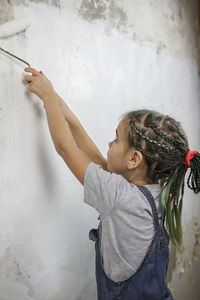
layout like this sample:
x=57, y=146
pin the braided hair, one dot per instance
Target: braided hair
x=164, y=145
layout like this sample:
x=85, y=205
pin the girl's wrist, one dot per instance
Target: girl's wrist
x=68, y=115
x=51, y=96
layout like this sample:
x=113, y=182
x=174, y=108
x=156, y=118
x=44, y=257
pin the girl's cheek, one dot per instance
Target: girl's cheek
x=110, y=144
x=108, y=153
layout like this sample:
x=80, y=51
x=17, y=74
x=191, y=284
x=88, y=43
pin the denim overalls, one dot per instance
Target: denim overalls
x=148, y=283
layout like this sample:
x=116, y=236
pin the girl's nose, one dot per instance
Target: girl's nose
x=110, y=144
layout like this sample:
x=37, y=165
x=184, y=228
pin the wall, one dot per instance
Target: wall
x=104, y=58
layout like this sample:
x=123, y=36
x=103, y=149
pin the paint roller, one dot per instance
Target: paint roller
x=13, y=27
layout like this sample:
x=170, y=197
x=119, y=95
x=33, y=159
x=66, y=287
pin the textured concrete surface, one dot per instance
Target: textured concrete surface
x=102, y=56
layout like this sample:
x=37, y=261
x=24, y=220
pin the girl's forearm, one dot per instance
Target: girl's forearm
x=75, y=158
x=59, y=129
x=83, y=141
x=65, y=137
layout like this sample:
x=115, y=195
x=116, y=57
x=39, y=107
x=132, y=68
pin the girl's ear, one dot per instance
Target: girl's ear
x=135, y=159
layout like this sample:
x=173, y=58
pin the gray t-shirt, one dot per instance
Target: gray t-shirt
x=126, y=220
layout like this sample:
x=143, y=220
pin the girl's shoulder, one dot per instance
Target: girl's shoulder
x=104, y=190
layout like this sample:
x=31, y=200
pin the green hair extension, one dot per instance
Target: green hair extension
x=171, y=205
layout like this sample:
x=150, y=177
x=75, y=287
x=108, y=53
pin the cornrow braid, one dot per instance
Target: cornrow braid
x=167, y=139
x=152, y=156
x=164, y=145
x=165, y=148
x=134, y=128
x=193, y=181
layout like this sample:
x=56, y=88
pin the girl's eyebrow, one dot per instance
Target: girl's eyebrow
x=116, y=133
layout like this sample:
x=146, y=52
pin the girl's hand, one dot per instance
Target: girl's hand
x=38, y=84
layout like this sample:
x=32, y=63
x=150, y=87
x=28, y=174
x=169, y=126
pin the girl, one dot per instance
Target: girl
x=136, y=190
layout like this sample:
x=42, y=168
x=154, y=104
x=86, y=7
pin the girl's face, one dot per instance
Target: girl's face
x=118, y=148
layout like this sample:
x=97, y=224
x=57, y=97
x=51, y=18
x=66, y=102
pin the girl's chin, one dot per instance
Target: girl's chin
x=110, y=169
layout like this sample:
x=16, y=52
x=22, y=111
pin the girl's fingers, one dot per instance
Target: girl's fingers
x=28, y=78
x=38, y=83
x=31, y=70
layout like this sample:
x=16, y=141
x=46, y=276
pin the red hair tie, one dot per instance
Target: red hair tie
x=188, y=157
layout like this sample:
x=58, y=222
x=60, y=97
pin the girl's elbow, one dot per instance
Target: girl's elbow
x=64, y=151
x=60, y=150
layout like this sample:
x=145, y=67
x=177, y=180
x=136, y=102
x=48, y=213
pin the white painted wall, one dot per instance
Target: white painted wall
x=101, y=72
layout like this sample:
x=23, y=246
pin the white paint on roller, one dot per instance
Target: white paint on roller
x=15, y=26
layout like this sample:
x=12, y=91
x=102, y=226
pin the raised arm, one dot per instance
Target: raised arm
x=83, y=141
x=76, y=159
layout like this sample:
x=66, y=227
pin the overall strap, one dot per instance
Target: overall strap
x=150, y=198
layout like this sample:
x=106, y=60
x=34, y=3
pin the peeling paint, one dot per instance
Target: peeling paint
x=93, y=9
x=12, y=279
x=110, y=11
x=6, y=11
x=117, y=16
x=51, y=2
x=165, y=26
x=184, y=260
x=161, y=46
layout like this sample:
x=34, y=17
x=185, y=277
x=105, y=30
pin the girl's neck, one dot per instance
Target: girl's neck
x=141, y=182
x=138, y=178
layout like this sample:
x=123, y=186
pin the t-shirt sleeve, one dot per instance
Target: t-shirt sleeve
x=100, y=187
